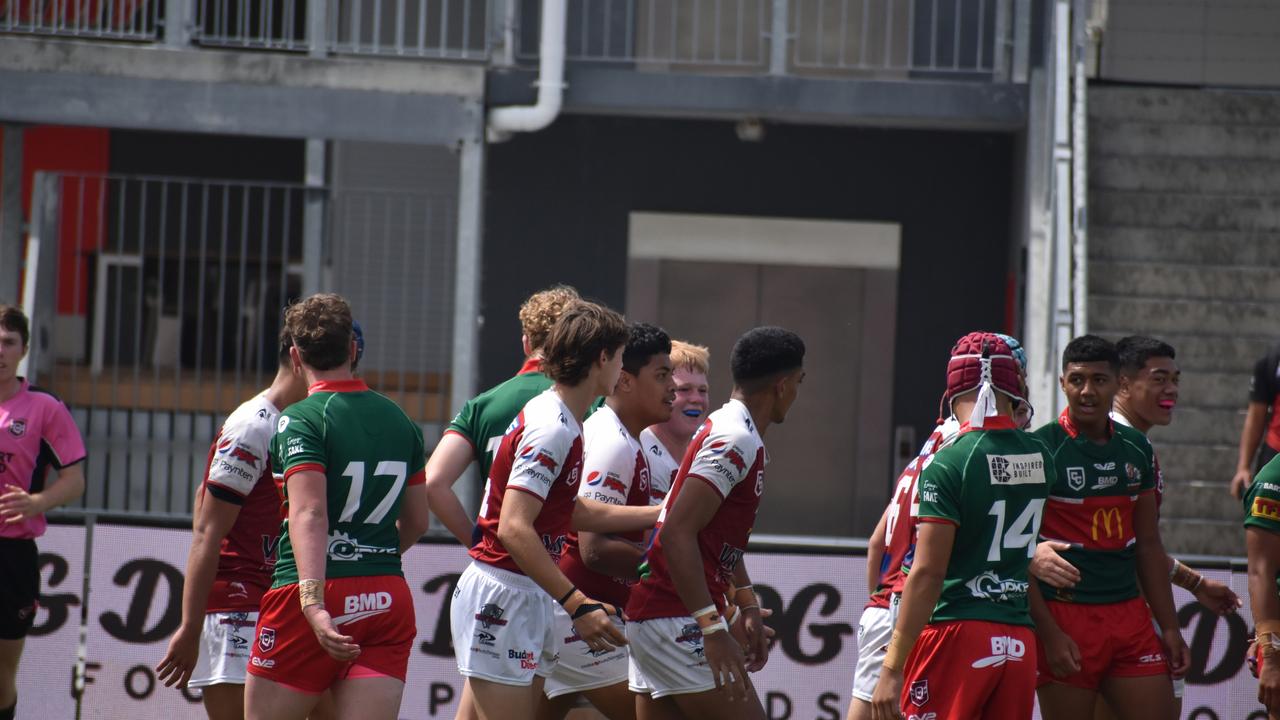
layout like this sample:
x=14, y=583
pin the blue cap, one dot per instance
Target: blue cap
x=359, y=335
x=1015, y=347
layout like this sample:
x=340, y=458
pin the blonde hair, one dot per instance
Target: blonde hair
x=539, y=313
x=687, y=356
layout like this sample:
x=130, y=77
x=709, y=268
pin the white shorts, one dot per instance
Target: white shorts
x=578, y=668
x=224, y=649
x=875, y=628
x=502, y=626
x=666, y=657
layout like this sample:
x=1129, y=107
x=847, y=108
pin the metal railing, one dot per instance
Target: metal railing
x=159, y=303
x=100, y=19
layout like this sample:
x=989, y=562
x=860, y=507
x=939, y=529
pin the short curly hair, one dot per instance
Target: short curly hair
x=539, y=313
x=321, y=330
x=763, y=353
x=687, y=356
x=14, y=320
x=583, y=332
x=643, y=342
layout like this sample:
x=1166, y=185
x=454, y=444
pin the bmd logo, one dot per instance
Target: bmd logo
x=366, y=601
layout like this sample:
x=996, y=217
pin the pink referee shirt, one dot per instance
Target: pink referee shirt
x=36, y=431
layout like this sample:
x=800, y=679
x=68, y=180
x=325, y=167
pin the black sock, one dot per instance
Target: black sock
x=7, y=713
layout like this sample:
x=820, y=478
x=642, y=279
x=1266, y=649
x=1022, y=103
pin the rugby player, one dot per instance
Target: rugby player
x=959, y=648
x=476, y=431
x=684, y=662
x=36, y=433
x=1262, y=542
x=351, y=466
x=666, y=442
x=501, y=613
x=235, y=528
x=615, y=470
x=892, y=547
x=1103, y=502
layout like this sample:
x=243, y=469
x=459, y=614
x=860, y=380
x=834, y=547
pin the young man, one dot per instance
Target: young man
x=501, y=614
x=1148, y=393
x=1262, y=542
x=236, y=526
x=351, y=465
x=1260, y=436
x=666, y=442
x=892, y=548
x=615, y=471
x=478, y=428
x=684, y=662
x=981, y=501
x=36, y=433
x=1103, y=503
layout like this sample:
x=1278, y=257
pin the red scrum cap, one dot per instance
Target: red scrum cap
x=985, y=362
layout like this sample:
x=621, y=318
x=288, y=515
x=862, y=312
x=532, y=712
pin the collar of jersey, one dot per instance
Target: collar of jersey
x=995, y=422
x=1064, y=419
x=751, y=424
x=531, y=365
x=352, y=385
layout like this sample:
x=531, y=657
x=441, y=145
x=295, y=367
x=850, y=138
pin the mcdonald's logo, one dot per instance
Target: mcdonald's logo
x=1106, y=515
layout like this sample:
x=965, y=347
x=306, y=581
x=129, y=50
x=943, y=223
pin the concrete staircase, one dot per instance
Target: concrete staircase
x=1184, y=245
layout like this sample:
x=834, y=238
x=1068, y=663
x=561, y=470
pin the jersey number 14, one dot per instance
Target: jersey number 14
x=1021, y=533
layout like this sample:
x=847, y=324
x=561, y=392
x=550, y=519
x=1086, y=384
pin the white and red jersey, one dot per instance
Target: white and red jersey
x=541, y=454
x=727, y=454
x=901, y=525
x=663, y=466
x=614, y=471
x=239, y=472
x=36, y=433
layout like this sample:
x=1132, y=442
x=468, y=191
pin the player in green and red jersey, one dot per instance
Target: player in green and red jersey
x=981, y=501
x=1104, y=504
x=1262, y=541
x=351, y=468
x=478, y=428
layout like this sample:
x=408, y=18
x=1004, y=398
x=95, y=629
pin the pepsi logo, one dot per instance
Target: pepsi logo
x=593, y=478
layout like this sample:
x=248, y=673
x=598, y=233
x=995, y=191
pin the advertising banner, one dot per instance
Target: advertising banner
x=135, y=605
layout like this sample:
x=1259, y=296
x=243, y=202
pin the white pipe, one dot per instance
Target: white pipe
x=531, y=118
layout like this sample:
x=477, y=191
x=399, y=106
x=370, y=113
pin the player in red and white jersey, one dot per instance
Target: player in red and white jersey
x=666, y=442
x=37, y=435
x=501, y=612
x=236, y=527
x=684, y=662
x=615, y=470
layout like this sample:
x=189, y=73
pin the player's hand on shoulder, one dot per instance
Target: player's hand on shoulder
x=1062, y=653
x=340, y=647
x=180, y=659
x=727, y=663
x=1177, y=651
x=1218, y=597
x=886, y=697
x=1049, y=566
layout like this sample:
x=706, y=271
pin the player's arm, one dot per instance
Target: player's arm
x=520, y=508
x=309, y=535
x=594, y=516
x=692, y=511
x=609, y=555
x=934, y=542
x=875, y=550
x=415, y=515
x=17, y=504
x=747, y=605
x=1215, y=595
x=1061, y=651
x=446, y=465
x=1263, y=548
x=1255, y=421
x=212, y=520
x=1153, y=574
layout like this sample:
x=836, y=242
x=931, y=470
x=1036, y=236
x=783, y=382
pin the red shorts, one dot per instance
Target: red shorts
x=969, y=670
x=1115, y=640
x=377, y=612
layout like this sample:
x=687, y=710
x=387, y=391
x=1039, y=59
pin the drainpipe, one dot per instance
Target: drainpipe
x=531, y=118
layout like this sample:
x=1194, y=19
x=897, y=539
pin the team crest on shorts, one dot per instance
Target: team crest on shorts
x=18, y=427
x=266, y=639
x=919, y=693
